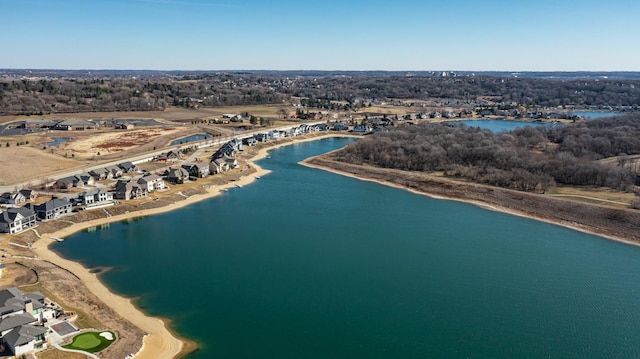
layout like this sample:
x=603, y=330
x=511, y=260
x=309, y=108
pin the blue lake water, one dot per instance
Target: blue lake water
x=499, y=125
x=192, y=138
x=57, y=141
x=592, y=115
x=304, y=263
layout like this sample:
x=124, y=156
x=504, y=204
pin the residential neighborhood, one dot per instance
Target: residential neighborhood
x=102, y=187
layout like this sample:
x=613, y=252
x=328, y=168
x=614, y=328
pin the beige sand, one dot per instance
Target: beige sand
x=160, y=343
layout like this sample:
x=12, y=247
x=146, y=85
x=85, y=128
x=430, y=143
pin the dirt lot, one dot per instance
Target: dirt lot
x=25, y=163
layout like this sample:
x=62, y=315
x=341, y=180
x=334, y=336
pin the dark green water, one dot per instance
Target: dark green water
x=307, y=264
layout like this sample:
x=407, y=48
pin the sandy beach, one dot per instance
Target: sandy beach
x=160, y=342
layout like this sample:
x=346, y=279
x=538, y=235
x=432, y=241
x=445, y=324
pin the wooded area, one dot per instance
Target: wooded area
x=346, y=93
x=526, y=159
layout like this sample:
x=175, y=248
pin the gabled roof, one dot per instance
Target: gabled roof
x=127, y=166
x=53, y=204
x=23, y=335
x=16, y=321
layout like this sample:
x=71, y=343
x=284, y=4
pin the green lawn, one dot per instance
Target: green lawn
x=91, y=342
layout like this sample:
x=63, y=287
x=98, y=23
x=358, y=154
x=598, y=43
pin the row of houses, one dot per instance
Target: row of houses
x=14, y=220
x=89, y=179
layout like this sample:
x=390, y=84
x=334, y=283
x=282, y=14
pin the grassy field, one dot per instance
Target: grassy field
x=603, y=196
x=91, y=342
x=25, y=163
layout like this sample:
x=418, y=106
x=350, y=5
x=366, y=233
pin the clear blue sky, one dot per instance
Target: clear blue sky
x=516, y=35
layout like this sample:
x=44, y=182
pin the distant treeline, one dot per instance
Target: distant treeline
x=132, y=93
x=527, y=159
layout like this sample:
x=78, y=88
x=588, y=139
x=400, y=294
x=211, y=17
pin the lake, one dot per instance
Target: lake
x=192, y=138
x=304, y=263
x=496, y=125
x=592, y=115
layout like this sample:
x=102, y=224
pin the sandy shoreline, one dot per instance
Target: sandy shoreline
x=481, y=204
x=160, y=342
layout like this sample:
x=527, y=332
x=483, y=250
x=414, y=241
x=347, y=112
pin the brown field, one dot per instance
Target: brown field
x=105, y=143
x=170, y=114
x=25, y=163
x=602, y=196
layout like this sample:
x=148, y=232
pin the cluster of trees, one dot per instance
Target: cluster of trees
x=527, y=159
x=126, y=92
x=37, y=97
x=524, y=91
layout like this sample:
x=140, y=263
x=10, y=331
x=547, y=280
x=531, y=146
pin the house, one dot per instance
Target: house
x=274, y=135
x=77, y=125
x=198, y=169
x=128, y=167
x=230, y=161
x=101, y=174
x=88, y=179
x=116, y=171
x=68, y=182
x=177, y=175
x=362, y=128
x=250, y=141
x=124, y=126
x=95, y=197
x=339, y=126
x=218, y=166
x=261, y=137
x=13, y=198
x=53, y=208
x=152, y=182
x=29, y=194
x=21, y=320
x=127, y=190
x=170, y=156
x=15, y=220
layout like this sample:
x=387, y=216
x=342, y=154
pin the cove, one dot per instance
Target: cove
x=304, y=263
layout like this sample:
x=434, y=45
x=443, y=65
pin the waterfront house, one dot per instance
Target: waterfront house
x=250, y=141
x=198, y=169
x=152, y=182
x=362, y=129
x=261, y=137
x=53, y=208
x=15, y=220
x=127, y=190
x=230, y=161
x=218, y=166
x=177, y=175
x=339, y=126
x=95, y=197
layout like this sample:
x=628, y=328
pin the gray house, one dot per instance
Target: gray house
x=53, y=208
x=129, y=190
x=21, y=318
x=177, y=175
x=95, y=197
x=15, y=220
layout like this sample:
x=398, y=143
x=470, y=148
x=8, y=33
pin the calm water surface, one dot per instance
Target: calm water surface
x=307, y=264
x=192, y=138
x=497, y=125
